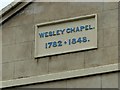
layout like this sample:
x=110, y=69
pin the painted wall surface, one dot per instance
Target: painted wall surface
x=18, y=42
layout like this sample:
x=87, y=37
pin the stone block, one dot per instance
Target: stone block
x=71, y=61
x=8, y=53
x=41, y=12
x=85, y=82
x=100, y=37
x=110, y=37
x=58, y=63
x=7, y=71
x=20, y=70
x=110, y=55
x=110, y=18
x=58, y=10
x=24, y=33
x=93, y=58
x=110, y=80
x=75, y=61
x=16, y=51
x=26, y=68
x=39, y=66
x=100, y=21
x=23, y=51
x=110, y=5
x=8, y=35
x=84, y=8
x=49, y=11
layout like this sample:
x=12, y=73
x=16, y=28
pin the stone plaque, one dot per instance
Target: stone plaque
x=67, y=35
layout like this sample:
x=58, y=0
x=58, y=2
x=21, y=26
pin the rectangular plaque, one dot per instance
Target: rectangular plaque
x=67, y=35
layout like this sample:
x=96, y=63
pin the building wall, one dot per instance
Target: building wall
x=18, y=43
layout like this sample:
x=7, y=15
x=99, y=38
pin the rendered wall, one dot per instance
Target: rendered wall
x=18, y=43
